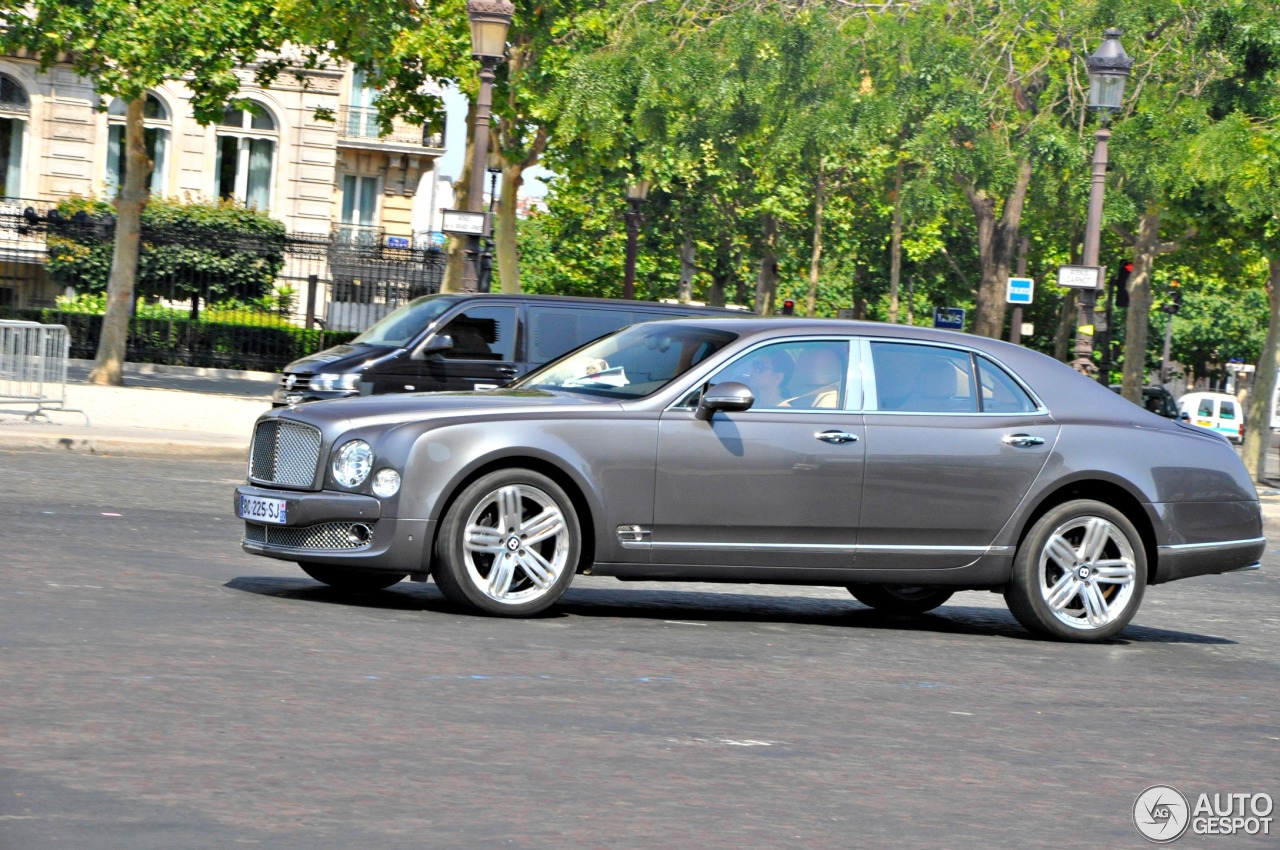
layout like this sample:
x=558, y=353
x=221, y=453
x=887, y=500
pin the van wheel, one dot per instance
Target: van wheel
x=899, y=598
x=355, y=580
x=1079, y=574
x=509, y=544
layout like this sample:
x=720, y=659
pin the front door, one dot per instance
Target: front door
x=778, y=485
x=482, y=355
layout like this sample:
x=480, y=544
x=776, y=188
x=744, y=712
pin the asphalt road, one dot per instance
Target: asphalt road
x=161, y=689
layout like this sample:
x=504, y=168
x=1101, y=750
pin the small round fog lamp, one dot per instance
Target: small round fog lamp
x=386, y=483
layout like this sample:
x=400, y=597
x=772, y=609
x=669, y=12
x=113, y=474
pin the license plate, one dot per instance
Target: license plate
x=258, y=509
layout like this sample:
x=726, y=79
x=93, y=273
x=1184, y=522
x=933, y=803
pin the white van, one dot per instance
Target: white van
x=1219, y=412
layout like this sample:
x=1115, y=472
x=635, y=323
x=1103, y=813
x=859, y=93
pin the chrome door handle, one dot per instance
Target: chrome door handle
x=836, y=437
x=1023, y=441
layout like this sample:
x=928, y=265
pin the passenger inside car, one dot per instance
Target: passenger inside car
x=819, y=377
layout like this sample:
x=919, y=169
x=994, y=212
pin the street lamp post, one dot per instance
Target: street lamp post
x=489, y=22
x=1108, y=69
x=636, y=193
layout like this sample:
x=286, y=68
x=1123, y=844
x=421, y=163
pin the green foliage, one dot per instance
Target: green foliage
x=212, y=251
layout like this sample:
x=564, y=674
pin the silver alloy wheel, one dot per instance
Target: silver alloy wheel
x=1087, y=573
x=515, y=544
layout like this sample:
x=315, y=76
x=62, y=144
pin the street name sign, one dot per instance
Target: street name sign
x=461, y=221
x=1081, y=277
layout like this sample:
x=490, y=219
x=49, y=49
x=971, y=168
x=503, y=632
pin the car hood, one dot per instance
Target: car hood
x=395, y=408
x=340, y=358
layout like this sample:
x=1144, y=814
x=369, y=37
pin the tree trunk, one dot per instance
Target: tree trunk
x=767, y=278
x=456, y=251
x=108, y=367
x=1137, y=322
x=895, y=245
x=504, y=233
x=815, y=256
x=1257, y=432
x=996, y=240
x=688, y=267
x=1066, y=324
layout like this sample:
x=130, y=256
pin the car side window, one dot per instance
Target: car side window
x=554, y=330
x=482, y=333
x=1000, y=393
x=923, y=379
x=793, y=375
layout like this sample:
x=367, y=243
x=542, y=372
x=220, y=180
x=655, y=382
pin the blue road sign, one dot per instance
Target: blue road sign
x=1020, y=290
x=951, y=318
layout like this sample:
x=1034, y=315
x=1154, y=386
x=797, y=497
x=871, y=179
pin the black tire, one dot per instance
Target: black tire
x=900, y=598
x=509, y=544
x=354, y=580
x=1079, y=574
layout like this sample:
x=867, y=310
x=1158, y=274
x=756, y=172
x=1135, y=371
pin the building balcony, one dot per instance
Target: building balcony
x=358, y=127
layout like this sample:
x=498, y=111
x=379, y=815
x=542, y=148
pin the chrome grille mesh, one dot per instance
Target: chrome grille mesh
x=324, y=535
x=284, y=452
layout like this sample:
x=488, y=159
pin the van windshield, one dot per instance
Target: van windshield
x=404, y=323
x=630, y=363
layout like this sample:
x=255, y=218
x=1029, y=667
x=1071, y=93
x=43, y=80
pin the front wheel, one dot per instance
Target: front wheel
x=509, y=545
x=1079, y=574
x=354, y=580
x=899, y=598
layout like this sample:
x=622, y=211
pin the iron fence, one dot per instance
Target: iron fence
x=242, y=300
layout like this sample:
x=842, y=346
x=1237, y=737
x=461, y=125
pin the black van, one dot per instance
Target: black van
x=464, y=341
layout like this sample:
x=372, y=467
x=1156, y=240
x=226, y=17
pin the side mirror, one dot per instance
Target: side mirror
x=1184, y=417
x=730, y=397
x=434, y=345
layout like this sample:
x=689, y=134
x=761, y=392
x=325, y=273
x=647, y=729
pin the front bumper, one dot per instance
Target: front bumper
x=338, y=529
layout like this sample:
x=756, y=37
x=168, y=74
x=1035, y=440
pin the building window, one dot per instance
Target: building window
x=15, y=108
x=362, y=111
x=155, y=122
x=359, y=210
x=246, y=155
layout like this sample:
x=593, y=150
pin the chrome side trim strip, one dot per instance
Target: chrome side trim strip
x=1226, y=544
x=824, y=547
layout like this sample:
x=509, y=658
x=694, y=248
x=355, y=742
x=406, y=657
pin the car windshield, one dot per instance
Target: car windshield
x=631, y=363
x=403, y=324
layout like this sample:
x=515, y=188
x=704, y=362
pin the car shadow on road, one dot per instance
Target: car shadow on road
x=703, y=606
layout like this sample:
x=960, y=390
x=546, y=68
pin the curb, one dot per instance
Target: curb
x=193, y=371
x=120, y=445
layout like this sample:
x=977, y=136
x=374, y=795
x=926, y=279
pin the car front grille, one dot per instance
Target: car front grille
x=324, y=535
x=284, y=452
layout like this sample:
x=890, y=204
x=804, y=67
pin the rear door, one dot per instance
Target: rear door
x=953, y=443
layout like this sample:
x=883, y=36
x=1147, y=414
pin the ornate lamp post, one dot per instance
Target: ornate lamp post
x=1108, y=69
x=489, y=22
x=636, y=193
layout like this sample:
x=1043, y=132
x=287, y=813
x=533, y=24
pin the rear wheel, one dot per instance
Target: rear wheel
x=899, y=598
x=509, y=545
x=1079, y=574
x=345, y=579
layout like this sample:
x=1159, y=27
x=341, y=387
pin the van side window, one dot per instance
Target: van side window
x=482, y=333
x=554, y=330
x=1227, y=410
x=1206, y=407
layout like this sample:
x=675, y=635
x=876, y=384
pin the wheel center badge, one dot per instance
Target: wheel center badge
x=1084, y=573
x=513, y=543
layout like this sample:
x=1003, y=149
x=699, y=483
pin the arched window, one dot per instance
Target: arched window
x=15, y=108
x=246, y=155
x=156, y=124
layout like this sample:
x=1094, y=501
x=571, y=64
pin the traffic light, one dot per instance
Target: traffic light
x=1175, y=296
x=788, y=307
x=1120, y=284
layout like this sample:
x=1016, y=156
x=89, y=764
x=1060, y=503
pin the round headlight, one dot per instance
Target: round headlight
x=386, y=483
x=353, y=463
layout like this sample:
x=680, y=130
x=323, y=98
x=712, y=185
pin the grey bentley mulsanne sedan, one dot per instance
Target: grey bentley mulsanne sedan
x=902, y=463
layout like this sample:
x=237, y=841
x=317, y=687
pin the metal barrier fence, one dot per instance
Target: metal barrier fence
x=243, y=300
x=33, y=367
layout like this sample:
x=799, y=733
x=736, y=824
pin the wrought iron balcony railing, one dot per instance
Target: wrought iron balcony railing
x=361, y=123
